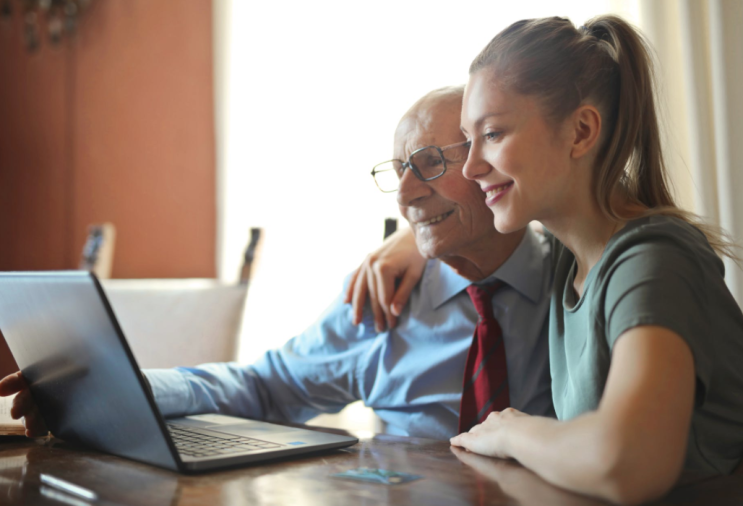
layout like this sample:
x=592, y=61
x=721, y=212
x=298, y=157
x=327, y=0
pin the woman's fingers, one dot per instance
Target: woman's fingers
x=398, y=259
x=386, y=281
x=485, y=438
x=348, y=297
x=358, y=300
x=460, y=440
x=479, y=442
x=371, y=280
x=402, y=294
x=365, y=284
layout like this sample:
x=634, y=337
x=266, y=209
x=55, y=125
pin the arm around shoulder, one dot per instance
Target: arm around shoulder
x=388, y=276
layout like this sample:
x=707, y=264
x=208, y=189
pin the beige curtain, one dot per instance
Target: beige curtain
x=699, y=45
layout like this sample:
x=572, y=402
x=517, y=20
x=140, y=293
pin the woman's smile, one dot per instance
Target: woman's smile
x=494, y=193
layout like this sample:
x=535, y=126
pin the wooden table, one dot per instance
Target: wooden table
x=451, y=477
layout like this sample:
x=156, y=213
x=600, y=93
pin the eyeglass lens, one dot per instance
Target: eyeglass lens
x=386, y=175
x=428, y=162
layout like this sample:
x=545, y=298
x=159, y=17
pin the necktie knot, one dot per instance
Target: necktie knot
x=482, y=298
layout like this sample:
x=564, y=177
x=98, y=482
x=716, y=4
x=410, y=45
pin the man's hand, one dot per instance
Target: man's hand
x=489, y=438
x=396, y=261
x=23, y=404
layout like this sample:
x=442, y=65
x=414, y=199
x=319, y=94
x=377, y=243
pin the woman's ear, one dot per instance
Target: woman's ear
x=586, y=130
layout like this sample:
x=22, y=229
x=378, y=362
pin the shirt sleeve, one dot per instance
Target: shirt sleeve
x=312, y=373
x=660, y=284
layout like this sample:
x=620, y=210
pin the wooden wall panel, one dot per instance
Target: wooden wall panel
x=144, y=136
x=33, y=156
x=115, y=125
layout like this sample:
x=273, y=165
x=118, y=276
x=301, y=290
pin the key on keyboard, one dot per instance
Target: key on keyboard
x=205, y=443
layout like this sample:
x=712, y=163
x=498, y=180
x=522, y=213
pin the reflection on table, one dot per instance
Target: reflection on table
x=451, y=477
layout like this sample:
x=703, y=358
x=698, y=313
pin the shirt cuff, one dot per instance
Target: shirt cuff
x=170, y=389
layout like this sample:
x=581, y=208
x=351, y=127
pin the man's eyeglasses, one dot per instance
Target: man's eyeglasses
x=426, y=163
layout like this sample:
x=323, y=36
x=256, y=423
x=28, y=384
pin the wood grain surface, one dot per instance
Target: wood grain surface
x=451, y=477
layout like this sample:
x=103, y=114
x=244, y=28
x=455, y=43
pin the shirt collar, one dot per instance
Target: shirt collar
x=522, y=271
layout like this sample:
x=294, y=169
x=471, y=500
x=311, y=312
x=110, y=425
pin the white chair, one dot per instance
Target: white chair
x=178, y=322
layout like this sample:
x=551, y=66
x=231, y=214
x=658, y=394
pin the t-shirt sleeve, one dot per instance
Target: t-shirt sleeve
x=662, y=285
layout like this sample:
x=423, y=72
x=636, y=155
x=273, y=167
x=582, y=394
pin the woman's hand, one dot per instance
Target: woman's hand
x=23, y=404
x=388, y=275
x=632, y=448
x=490, y=437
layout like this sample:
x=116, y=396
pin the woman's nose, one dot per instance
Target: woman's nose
x=475, y=166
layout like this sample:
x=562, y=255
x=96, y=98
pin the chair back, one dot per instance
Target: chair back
x=178, y=322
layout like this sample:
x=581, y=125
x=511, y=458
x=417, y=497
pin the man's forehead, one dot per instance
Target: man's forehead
x=435, y=124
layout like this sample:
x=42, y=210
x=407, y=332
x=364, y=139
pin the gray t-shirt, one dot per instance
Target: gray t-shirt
x=655, y=271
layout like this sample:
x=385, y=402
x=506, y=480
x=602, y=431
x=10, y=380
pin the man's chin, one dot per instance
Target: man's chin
x=429, y=250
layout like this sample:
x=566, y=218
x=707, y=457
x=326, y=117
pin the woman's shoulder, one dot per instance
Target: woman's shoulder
x=661, y=235
x=661, y=241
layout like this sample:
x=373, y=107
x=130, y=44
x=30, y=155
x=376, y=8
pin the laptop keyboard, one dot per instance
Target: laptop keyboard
x=202, y=443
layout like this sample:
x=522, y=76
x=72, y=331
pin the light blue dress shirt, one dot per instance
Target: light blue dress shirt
x=410, y=375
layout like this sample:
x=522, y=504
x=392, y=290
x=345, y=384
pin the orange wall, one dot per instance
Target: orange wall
x=33, y=156
x=114, y=125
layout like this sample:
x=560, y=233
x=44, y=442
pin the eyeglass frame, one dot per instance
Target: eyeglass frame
x=413, y=168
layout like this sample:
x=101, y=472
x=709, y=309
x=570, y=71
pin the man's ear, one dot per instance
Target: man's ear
x=586, y=130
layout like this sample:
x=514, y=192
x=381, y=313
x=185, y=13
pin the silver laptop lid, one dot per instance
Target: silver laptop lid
x=82, y=374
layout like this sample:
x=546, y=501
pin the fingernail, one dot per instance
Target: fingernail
x=396, y=309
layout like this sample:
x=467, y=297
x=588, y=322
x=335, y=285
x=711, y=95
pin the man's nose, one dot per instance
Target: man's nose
x=411, y=188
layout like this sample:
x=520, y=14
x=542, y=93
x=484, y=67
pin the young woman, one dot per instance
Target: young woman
x=646, y=341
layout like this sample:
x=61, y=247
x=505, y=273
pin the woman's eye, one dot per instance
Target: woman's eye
x=491, y=136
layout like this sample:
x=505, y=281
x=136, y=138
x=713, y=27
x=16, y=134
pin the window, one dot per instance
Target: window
x=309, y=95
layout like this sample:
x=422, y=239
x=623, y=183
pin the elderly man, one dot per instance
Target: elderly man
x=419, y=374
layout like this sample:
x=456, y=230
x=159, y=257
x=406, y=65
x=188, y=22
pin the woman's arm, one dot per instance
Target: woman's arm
x=389, y=275
x=632, y=448
x=519, y=483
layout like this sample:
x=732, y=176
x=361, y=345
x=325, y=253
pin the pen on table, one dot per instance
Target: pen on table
x=68, y=487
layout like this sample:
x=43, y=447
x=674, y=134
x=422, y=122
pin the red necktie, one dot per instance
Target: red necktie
x=485, y=385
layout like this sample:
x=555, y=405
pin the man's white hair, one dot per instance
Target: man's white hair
x=445, y=94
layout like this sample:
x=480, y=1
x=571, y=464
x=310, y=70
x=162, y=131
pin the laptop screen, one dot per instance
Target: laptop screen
x=81, y=372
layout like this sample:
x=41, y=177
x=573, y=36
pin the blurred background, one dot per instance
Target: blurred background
x=187, y=123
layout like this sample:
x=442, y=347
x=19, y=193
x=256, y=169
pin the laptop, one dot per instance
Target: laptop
x=83, y=376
